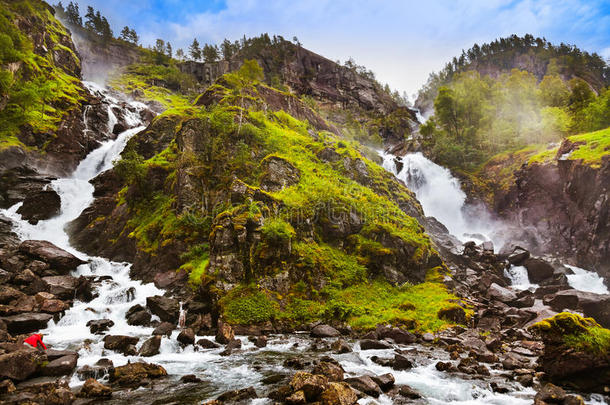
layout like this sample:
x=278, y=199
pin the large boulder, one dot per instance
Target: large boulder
x=94, y=389
x=136, y=374
x=167, y=309
x=310, y=384
x=99, y=326
x=58, y=258
x=323, y=331
x=365, y=384
x=150, y=347
x=26, y=323
x=225, y=333
x=40, y=205
x=164, y=329
x=120, y=343
x=187, y=337
x=501, y=294
x=64, y=365
x=338, y=393
x=64, y=287
x=21, y=364
x=538, y=270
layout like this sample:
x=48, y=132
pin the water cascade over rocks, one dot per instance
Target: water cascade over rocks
x=250, y=366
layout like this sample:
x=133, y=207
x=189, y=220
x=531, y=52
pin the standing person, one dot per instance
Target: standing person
x=36, y=341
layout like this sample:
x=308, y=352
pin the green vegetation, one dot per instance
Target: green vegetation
x=592, y=147
x=36, y=91
x=247, y=305
x=577, y=332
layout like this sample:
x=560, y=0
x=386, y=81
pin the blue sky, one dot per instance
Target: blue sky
x=401, y=41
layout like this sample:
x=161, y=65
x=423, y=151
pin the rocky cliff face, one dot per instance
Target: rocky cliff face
x=564, y=200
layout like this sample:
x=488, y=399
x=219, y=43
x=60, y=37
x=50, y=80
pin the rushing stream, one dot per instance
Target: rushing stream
x=117, y=292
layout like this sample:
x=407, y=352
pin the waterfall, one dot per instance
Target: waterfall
x=586, y=280
x=519, y=279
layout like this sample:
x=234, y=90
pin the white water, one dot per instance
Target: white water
x=519, y=278
x=585, y=280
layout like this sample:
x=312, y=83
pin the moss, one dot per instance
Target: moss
x=574, y=331
x=247, y=305
x=592, y=147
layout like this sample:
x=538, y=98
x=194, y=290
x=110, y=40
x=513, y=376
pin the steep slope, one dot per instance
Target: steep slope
x=250, y=199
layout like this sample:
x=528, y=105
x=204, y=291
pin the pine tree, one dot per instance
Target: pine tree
x=134, y=36
x=227, y=49
x=194, y=50
x=180, y=54
x=90, y=19
x=210, y=53
x=126, y=34
x=73, y=15
x=168, y=49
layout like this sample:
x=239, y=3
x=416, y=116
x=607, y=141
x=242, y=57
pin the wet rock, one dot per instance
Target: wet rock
x=340, y=346
x=120, y=343
x=364, y=384
x=311, y=385
x=260, y=341
x=445, y=366
x=332, y=371
x=64, y=287
x=225, y=333
x=190, y=378
x=408, y=392
x=26, y=323
x=501, y=294
x=384, y=381
x=150, y=347
x=500, y=389
x=62, y=366
x=518, y=256
x=6, y=387
x=454, y=314
x=238, y=395
x=273, y=379
x=136, y=374
x=297, y=398
x=296, y=363
x=40, y=205
x=138, y=316
x=399, y=336
x=21, y=364
x=167, y=309
x=207, y=344
x=99, y=326
x=58, y=258
x=94, y=389
x=53, y=306
x=374, y=345
x=526, y=301
x=400, y=362
x=428, y=337
x=53, y=354
x=8, y=294
x=324, y=331
x=164, y=329
x=538, y=270
x=186, y=336
x=551, y=394
x=338, y=393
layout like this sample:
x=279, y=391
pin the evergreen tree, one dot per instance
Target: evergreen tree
x=73, y=15
x=168, y=49
x=180, y=54
x=90, y=19
x=134, y=36
x=210, y=53
x=105, y=30
x=194, y=50
x=227, y=49
x=126, y=34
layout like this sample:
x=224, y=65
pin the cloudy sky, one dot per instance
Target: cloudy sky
x=402, y=41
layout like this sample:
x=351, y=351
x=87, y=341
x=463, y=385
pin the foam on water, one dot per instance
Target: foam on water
x=519, y=278
x=585, y=280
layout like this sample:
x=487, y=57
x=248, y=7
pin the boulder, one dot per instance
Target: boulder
x=53, y=306
x=120, y=343
x=558, y=302
x=58, y=258
x=384, y=381
x=164, y=329
x=312, y=385
x=133, y=375
x=455, y=314
x=225, y=333
x=518, y=256
x=238, y=395
x=368, y=344
x=26, y=323
x=340, y=346
x=62, y=366
x=141, y=318
x=207, y=344
x=400, y=362
x=550, y=394
x=64, y=287
x=501, y=294
x=94, y=389
x=538, y=270
x=150, y=347
x=398, y=335
x=338, y=393
x=187, y=337
x=21, y=364
x=364, y=384
x=40, y=205
x=167, y=309
x=98, y=326
x=278, y=173
x=260, y=341
x=324, y=331
x=190, y=378
x=332, y=371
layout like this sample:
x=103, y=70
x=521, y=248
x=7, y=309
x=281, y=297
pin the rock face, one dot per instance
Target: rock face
x=566, y=202
x=21, y=364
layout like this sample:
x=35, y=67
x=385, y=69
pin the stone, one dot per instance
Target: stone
x=58, y=258
x=340, y=346
x=398, y=335
x=186, y=336
x=384, y=381
x=501, y=294
x=364, y=384
x=550, y=393
x=53, y=306
x=260, y=341
x=297, y=398
x=120, y=343
x=408, y=392
x=40, y=205
x=62, y=366
x=518, y=256
x=538, y=270
x=139, y=318
x=94, y=389
x=167, y=309
x=374, y=345
x=278, y=173
x=26, y=323
x=454, y=314
x=238, y=395
x=225, y=333
x=133, y=375
x=190, y=378
x=311, y=385
x=400, y=362
x=21, y=364
x=324, y=331
x=332, y=371
x=98, y=326
x=428, y=337
x=164, y=329
x=207, y=344
x=64, y=287
x=338, y=393
x=150, y=347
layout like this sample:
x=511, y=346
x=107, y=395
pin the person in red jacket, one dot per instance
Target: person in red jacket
x=36, y=341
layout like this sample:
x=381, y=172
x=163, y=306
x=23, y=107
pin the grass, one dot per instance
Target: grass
x=594, y=146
